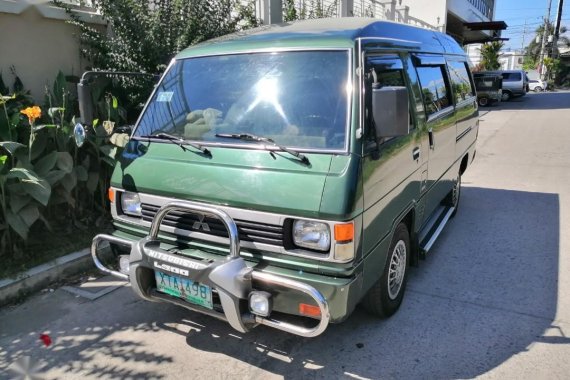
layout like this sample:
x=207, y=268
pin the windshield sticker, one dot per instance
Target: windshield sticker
x=164, y=96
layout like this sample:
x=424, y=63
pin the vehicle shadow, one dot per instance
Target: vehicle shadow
x=534, y=101
x=487, y=291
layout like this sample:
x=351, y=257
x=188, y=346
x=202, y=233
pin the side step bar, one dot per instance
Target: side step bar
x=433, y=228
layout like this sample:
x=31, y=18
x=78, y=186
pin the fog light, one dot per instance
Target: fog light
x=124, y=264
x=260, y=303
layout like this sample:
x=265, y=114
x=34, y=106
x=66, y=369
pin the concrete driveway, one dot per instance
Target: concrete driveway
x=492, y=300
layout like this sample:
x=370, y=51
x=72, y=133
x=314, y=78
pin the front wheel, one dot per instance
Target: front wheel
x=385, y=296
x=483, y=102
x=455, y=195
x=538, y=89
x=506, y=96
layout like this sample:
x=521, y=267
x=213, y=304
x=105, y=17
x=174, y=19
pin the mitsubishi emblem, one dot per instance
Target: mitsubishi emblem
x=200, y=224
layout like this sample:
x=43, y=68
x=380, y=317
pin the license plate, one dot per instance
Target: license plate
x=184, y=288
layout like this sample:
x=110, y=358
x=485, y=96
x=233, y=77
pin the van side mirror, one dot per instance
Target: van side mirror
x=85, y=102
x=390, y=111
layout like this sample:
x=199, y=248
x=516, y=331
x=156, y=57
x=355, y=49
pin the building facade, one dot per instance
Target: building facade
x=468, y=21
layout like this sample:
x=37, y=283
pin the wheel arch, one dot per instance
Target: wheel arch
x=463, y=165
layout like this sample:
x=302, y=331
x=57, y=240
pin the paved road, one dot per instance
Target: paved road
x=491, y=301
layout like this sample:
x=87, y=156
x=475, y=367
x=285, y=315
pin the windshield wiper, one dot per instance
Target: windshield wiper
x=176, y=140
x=250, y=137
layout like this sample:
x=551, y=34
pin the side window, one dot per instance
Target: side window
x=512, y=77
x=460, y=82
x=435, y=90
x=384, y=71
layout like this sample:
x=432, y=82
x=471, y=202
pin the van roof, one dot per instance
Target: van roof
x=338, y=32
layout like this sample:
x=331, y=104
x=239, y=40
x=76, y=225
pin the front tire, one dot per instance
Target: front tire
x=385, y=296
x=454, y=195
x=483, y=102
x=538, y=89
x=506, y=96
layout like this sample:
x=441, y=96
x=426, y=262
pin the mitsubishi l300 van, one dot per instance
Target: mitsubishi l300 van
x=284, y=175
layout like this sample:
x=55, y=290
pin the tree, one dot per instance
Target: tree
x=145, y=34
x=532, y=50
x=289, y=11
x=490, y=55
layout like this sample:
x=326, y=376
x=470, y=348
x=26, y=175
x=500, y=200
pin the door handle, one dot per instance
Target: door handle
x=416, y=153
x=430, y=136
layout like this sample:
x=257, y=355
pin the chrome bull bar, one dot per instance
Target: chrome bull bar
x=230, y=277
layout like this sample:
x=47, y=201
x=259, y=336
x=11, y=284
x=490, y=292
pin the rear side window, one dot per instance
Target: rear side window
x=512, y=77
x=435, y=90
x=460, y=81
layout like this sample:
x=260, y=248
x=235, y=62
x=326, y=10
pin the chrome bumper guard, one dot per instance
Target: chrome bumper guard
x=231, y=277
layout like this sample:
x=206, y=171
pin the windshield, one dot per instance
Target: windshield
x=297, y=98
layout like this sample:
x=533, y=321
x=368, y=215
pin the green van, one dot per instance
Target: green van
x=284, y=175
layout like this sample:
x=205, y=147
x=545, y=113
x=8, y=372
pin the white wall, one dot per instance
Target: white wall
x=37, y=42
x=428, y=11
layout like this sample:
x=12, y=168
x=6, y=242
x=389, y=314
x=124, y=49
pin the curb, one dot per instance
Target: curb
x=43, y=275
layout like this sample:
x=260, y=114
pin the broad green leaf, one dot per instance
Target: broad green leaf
x=120, y=139
x=86, y=162
x=54, y=176
x=109, y=161
x=100, y=131
x=17, y=224
x=45, y=221
x=42, y=126
x=15, y=120
x=45, y=164
x=66, y=196
x=59, y=87
x=30, y=214
x=108, y=150
x=81, y=173
x=95, y=122
x=40, y=190
x=92, y=182
x=115, y=103
x=3, y=160
x=53, y=111
x=23, y=174
x=17, y=202
x=11, y=146
x=39, y=145
x=69, y=181
x=65, y=162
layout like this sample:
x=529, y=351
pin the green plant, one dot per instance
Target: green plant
x=289, y=11
x=490, y=55
x=147, y=34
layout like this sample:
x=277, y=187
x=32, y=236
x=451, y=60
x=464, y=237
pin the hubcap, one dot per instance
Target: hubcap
x=397, y=269
x=455, y=192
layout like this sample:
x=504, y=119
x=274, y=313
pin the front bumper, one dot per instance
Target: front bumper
x=231, y=278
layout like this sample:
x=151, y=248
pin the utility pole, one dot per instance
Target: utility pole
x=542, y=72
x=557, y=29
x=524, y=34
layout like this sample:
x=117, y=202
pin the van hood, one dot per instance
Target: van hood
x=236, y=177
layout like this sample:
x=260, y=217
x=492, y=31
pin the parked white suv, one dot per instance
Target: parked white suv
x=537, y=85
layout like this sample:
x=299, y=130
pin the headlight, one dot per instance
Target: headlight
x=131, y=204
x=312, y=235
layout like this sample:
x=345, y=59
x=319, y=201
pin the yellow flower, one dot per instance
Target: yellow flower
x=32, y=113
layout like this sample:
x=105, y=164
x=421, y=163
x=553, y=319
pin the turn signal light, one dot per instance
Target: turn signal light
x=344, y=232
x=309, y=310
x=111, y=194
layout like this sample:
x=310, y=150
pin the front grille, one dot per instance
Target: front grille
x=247, y=230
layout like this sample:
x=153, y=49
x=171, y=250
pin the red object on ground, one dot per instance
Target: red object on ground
x=46, y=339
